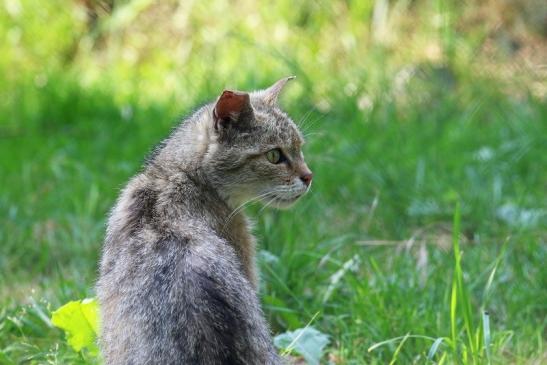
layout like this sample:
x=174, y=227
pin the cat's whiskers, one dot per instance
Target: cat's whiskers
x=267, y=204
x=320, y=134
x=310, y=124
x=285, y=190
x=302, y=121
x=241, y=206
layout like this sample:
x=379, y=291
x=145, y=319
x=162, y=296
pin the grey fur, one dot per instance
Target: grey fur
x=177, y=278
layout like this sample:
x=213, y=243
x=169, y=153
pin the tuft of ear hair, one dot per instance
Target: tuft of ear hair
x=230, y=107
x=271, y=94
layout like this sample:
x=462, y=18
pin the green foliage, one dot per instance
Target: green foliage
x=460, y=299
x=474, y=348
x=407, y=106
x=306, y=341
x=79, y=320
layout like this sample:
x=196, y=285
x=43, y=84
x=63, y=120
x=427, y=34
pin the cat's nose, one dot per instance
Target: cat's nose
x=306, y=178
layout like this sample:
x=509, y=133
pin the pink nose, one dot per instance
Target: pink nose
x=306, y=178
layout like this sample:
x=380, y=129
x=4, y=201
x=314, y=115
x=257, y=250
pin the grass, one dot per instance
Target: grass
x=379, y=248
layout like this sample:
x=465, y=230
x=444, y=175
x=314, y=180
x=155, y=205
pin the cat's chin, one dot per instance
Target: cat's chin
x=283, y=203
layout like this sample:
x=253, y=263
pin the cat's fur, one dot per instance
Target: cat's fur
x=177, y=278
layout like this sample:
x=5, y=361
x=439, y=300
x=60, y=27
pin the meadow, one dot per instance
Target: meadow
x=424, y=237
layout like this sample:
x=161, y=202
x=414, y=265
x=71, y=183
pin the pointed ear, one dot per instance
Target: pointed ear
x=271, y=94
x=232, y=106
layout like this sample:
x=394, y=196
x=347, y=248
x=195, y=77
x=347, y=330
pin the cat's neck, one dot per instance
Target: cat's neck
x=188, y=197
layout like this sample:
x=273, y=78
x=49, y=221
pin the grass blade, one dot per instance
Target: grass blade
x=486, y=333
x=493, y=273
x=396, y=353
x=461, y=290
x=453, y=313
x=290, y=347
x=433, y=349
x=395, y=339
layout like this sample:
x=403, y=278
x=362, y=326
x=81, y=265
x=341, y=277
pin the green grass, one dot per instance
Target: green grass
x=397, y=273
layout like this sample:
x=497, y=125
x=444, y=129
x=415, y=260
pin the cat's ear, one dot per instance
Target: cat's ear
x=232, y=107
x=271, y=94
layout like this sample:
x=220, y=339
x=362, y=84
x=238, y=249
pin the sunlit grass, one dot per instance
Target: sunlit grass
x=404, y=116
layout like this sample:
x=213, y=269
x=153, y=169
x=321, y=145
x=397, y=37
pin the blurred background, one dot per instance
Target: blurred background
x=409, y=108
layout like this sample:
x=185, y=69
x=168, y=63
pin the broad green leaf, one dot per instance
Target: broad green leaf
x=307, y=342
x=79, y=320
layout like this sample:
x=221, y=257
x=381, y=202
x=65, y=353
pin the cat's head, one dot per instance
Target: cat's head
x=257, y=153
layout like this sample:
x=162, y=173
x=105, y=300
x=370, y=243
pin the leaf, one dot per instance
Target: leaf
x=79, y=320
x=267, y=257
x=433, y=349
x=518, y=217
x=307, y=342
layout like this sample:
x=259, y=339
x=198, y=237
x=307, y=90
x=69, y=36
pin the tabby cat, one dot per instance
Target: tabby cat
x=178, y=282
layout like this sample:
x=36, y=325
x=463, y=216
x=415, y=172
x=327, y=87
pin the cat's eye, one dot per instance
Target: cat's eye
x=275, y=156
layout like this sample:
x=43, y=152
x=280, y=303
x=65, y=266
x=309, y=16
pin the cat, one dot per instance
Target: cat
x=177, y=281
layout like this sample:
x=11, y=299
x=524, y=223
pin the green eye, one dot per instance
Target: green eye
x=274, y=156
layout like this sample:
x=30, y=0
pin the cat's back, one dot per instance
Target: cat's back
x=145, y=226
x=171, y=291
x=174, y=294
x=180, y=300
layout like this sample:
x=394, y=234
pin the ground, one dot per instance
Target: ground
x=396, y=141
